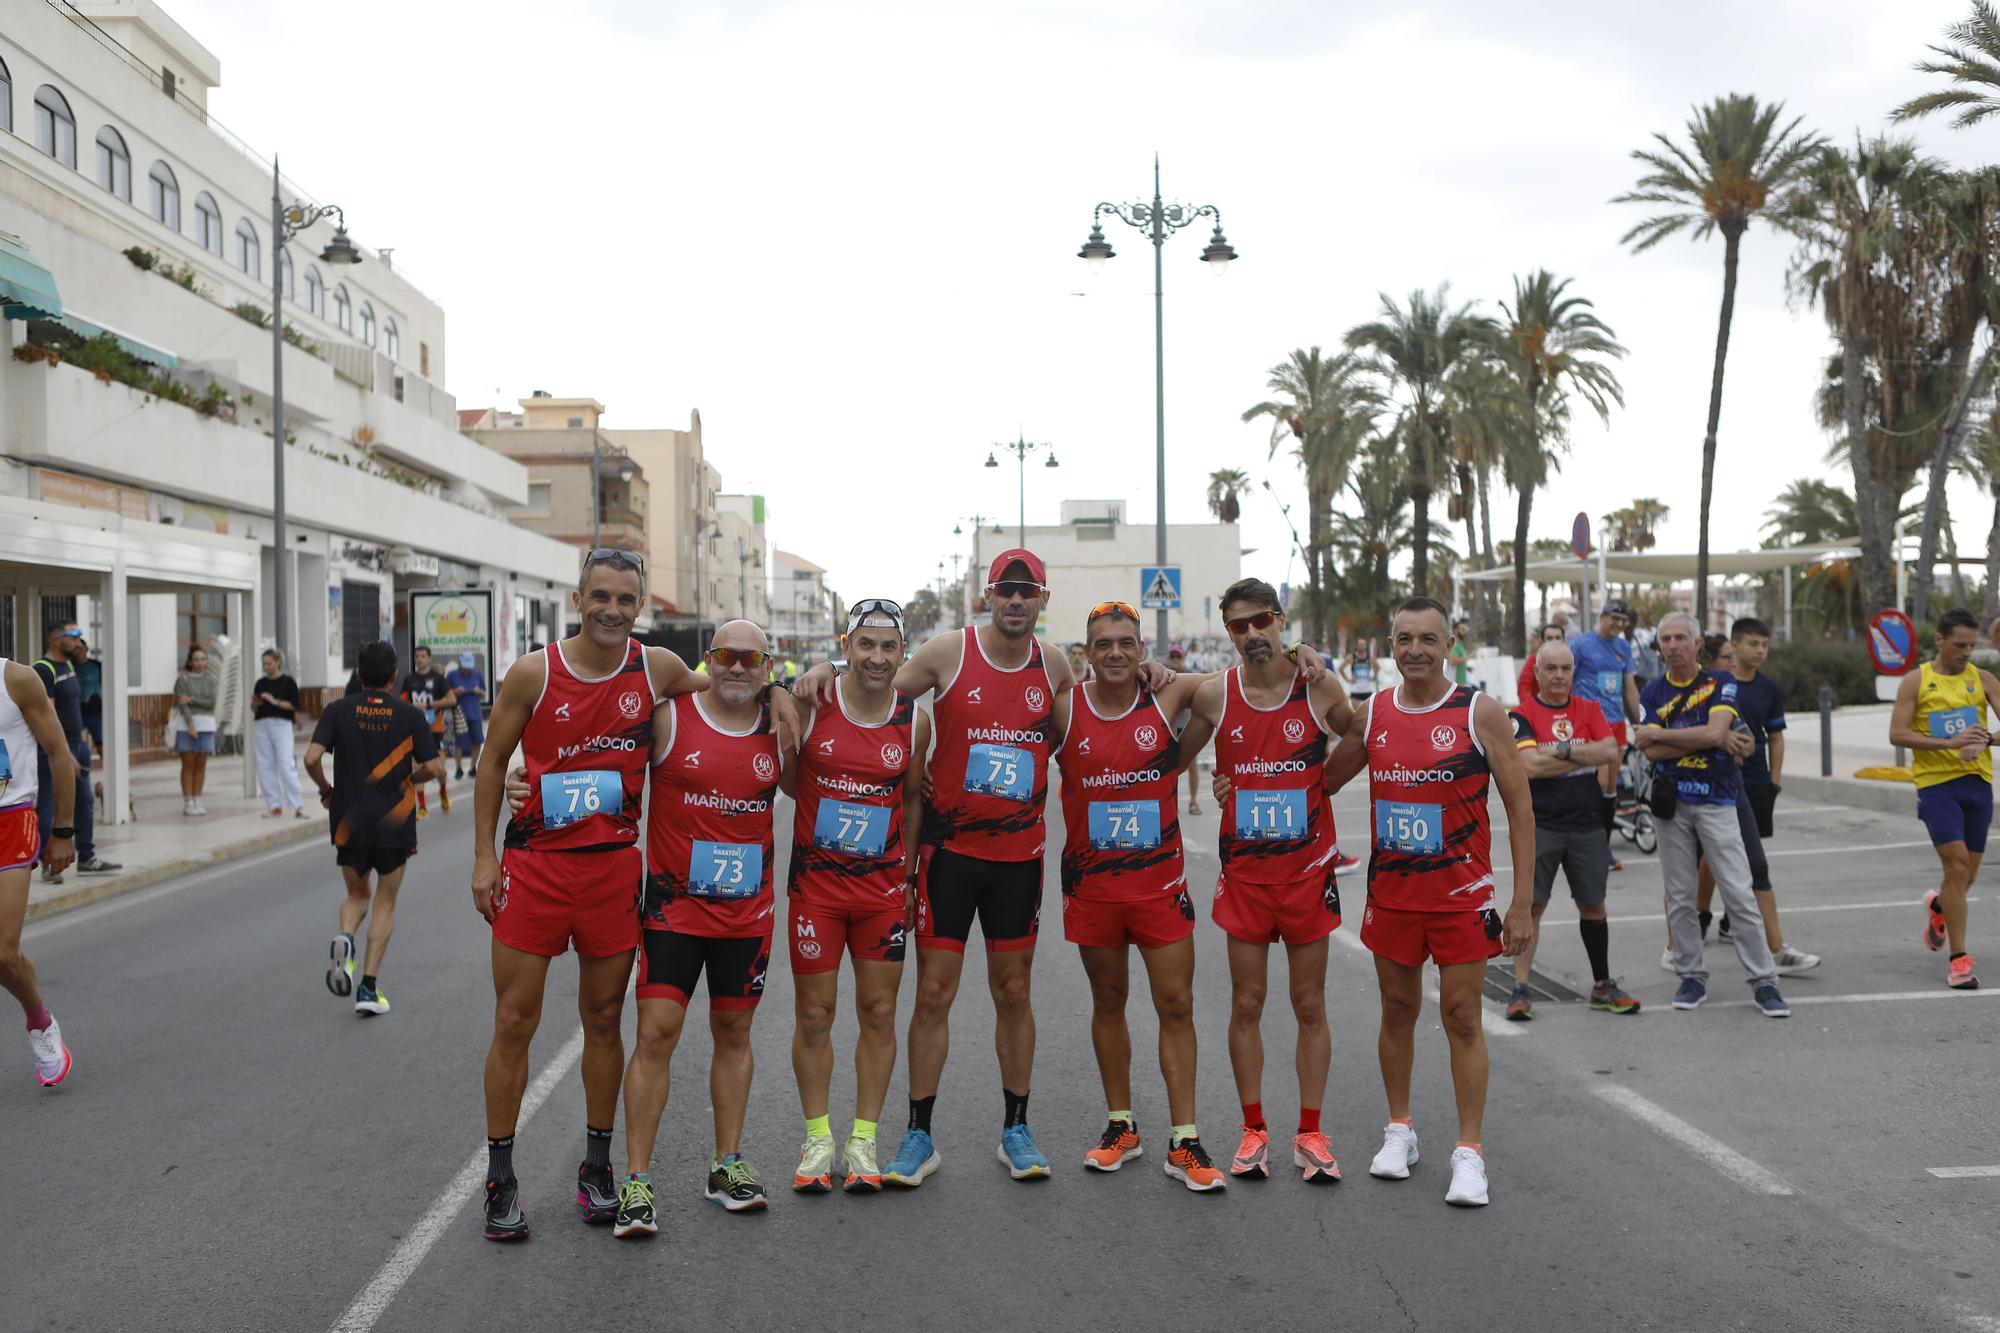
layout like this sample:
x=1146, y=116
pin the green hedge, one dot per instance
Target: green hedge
x=1800, y=668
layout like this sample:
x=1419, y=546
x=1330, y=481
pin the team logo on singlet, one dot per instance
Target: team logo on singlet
x=1563, y=729
x=562, y=712
x=630, y=703
x=892, y=754
x=1295, y=730
x=764, y=767
x=692, y=759
x=1083, y=746
x=1147, y=737
x=1236, y=733
x=972, y=695
x=826, y=746
x=1035, y=698
x=1443, y=738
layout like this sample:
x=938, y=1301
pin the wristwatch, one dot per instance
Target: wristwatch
x=62, y=831
x=1562, y=749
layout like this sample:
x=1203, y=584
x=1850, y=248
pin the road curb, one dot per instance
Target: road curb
x=84, y=894
x=1895, y=798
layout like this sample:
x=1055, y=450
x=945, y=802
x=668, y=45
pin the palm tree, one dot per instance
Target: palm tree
x=1367, y=532
x=1981, y=462
x=1553, y=345
x=1325, y=408
x=1808, y=512
x=1486, y=421
x=1418, y=349
x=1738, y=165
x=1224, y=485
x=1972, y=62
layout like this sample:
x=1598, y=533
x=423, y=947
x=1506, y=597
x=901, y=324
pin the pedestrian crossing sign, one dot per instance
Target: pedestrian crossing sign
x=1160, y=587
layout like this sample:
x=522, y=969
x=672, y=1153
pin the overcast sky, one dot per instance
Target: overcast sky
x=846, y=231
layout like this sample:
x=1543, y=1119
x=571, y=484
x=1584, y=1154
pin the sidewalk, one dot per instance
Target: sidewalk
x=1860, y=740
x=161, y=842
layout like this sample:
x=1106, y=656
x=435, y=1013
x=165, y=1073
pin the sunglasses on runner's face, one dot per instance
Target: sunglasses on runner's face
x=749, y=658
x=1256, y=620
x=1027, y=592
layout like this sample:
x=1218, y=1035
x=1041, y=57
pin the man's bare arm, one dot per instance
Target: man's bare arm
x=1351, y=755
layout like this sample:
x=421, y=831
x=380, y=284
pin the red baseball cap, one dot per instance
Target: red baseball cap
x=1018, y=555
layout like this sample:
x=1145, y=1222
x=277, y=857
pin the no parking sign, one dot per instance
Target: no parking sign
x=1892, y=642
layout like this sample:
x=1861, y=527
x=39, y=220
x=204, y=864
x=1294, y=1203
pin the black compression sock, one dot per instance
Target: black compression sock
x=1017, y=1109
x=1706, y=917
x=1608, y=813
x=920, y=1112
x=596, y=1146
x=500, y=1158
x=1960, y=954
x=369, y=982
x=1597, y=944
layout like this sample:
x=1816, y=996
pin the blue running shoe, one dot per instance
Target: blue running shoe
x=1691, y=993
x=1772, y=1003
x=1017, y=1149
x=916, y=1157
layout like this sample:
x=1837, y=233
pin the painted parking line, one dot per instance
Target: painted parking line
x=1963, y=1172
x=1493, y=1018
x=1709, y=1149
x=404, y=1259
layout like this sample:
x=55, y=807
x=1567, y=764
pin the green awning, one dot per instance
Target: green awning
x=133, y=347
x=27, y=290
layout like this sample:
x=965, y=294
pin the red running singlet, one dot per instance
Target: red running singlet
x=847, y=830
x=708, y=833
x=1278, y=826
x=585, y=747
x=1427, y=778
x=990, y=765
x=1120, y=802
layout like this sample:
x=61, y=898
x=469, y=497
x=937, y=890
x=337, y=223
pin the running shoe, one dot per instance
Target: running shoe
x=1933, y=922
x=1692, y=992
x=1342, y=861
x=444, y=799
x=1789, y=960
x=1520, y=1005
x=1188, y=1163
x=1313, y=1154
x=97, y=865
x=423, y=809
x=1960, y=977
x=1468, y=1179
x=1773, y=1004
x=1023, y=1159
x=53, y=1060
x=1251, y=1160
x=1612, y=864
x=635, y=1208
x=1667, y=960
x=504, y=1219
x=370, y=1000
x=1118, y=1142
x=1398, y=1155
x=1609, y=996
x=597, y=1195
x=815, y=1173
x=340, y=973
x=733, y=1184
x=863, y=1175
x=916, y=1157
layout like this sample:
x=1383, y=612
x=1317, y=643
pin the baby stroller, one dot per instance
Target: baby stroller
x=1632, y=817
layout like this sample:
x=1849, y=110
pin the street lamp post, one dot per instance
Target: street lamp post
x=1159, y=221
x=285, y=224
x=1021, y=448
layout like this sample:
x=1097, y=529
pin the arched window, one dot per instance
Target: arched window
x=343, y=309
x=315, y=292
x=392, y=341
x=114, y=163
x=55, y=127
x=207, y=223
x=285, y=274
x=163, y=196
x=6, y=99
x=368, y=323
x=249, y=255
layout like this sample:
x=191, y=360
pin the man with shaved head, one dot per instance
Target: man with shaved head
x=1562, y=739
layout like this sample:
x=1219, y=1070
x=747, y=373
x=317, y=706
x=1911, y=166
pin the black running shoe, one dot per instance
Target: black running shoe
x=596, y=1195
x=733, y=1184
x=504, y=1219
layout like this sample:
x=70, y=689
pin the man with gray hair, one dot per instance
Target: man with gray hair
x=1685, y=728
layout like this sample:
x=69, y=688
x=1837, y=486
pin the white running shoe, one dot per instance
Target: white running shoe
x=1667, y=961
x=1789, y=961
x=52, y=1057
x=1398, y=1155
x=1468, y=1179
x=187, y=805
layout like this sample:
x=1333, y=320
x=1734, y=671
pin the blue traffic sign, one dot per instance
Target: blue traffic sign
x=1579, y=536
x=1160, y=587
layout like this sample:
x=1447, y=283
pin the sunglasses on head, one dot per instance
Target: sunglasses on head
x=1016, y=588
x=750, y=658
x=1255, y=620
x=1125, y=609
x=614, y=556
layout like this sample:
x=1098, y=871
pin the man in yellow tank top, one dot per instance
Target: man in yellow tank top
x=1940, y=717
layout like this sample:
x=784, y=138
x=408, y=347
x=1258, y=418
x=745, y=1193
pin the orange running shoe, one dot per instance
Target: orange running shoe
x=1313, y=1154
x=1933, y=922
x=1189, y=1164
x=1119, y=1142
x=1251, y=1154
x=1961, y=973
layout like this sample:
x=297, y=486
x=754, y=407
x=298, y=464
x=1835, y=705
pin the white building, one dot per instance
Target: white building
x=1094, y=555
x=806, y=614
x=742, y=560
x=133, y=217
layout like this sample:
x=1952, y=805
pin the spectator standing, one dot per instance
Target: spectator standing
x=468, y=687
x=1526, y=686
x=425, y=687
x=194, y=736
x=1604, y=677
x=63, y=649
x=1359, y=670
x=1461, y=652
x=274, y=700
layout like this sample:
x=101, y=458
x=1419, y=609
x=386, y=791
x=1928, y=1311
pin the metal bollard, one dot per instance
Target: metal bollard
x=1825, y=731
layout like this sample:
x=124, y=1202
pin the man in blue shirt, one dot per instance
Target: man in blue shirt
x=1685, y=728
x=468, y=683
x=1604, y=676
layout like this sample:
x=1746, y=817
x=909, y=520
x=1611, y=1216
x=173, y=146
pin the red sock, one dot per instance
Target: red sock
x=1253, y=1115
x=39, y=1019
x=1308, y=1120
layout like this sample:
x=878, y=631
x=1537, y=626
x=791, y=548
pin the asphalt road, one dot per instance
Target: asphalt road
x=235, y=1150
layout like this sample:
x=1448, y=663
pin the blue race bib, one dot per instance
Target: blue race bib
x=1611, y=686
x=1408, y=826
x=855, y=830
x=1005, y=771
x=570, y=797
x=1271, y=816
x=1948, y=722
x=725, y=870
x=1126, y=825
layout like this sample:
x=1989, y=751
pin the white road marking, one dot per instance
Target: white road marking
x=165, y=889
x=1866, y=997
x=1492, y=1018
x=1194, y=844
x=1714, y=1151
x=403, y=1260
x=1641, y=861
x=1963, y=1172
x=1903, y=904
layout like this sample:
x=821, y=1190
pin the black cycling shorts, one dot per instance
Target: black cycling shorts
x=1006, y=896
x=378, y=860
x=671, y=963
